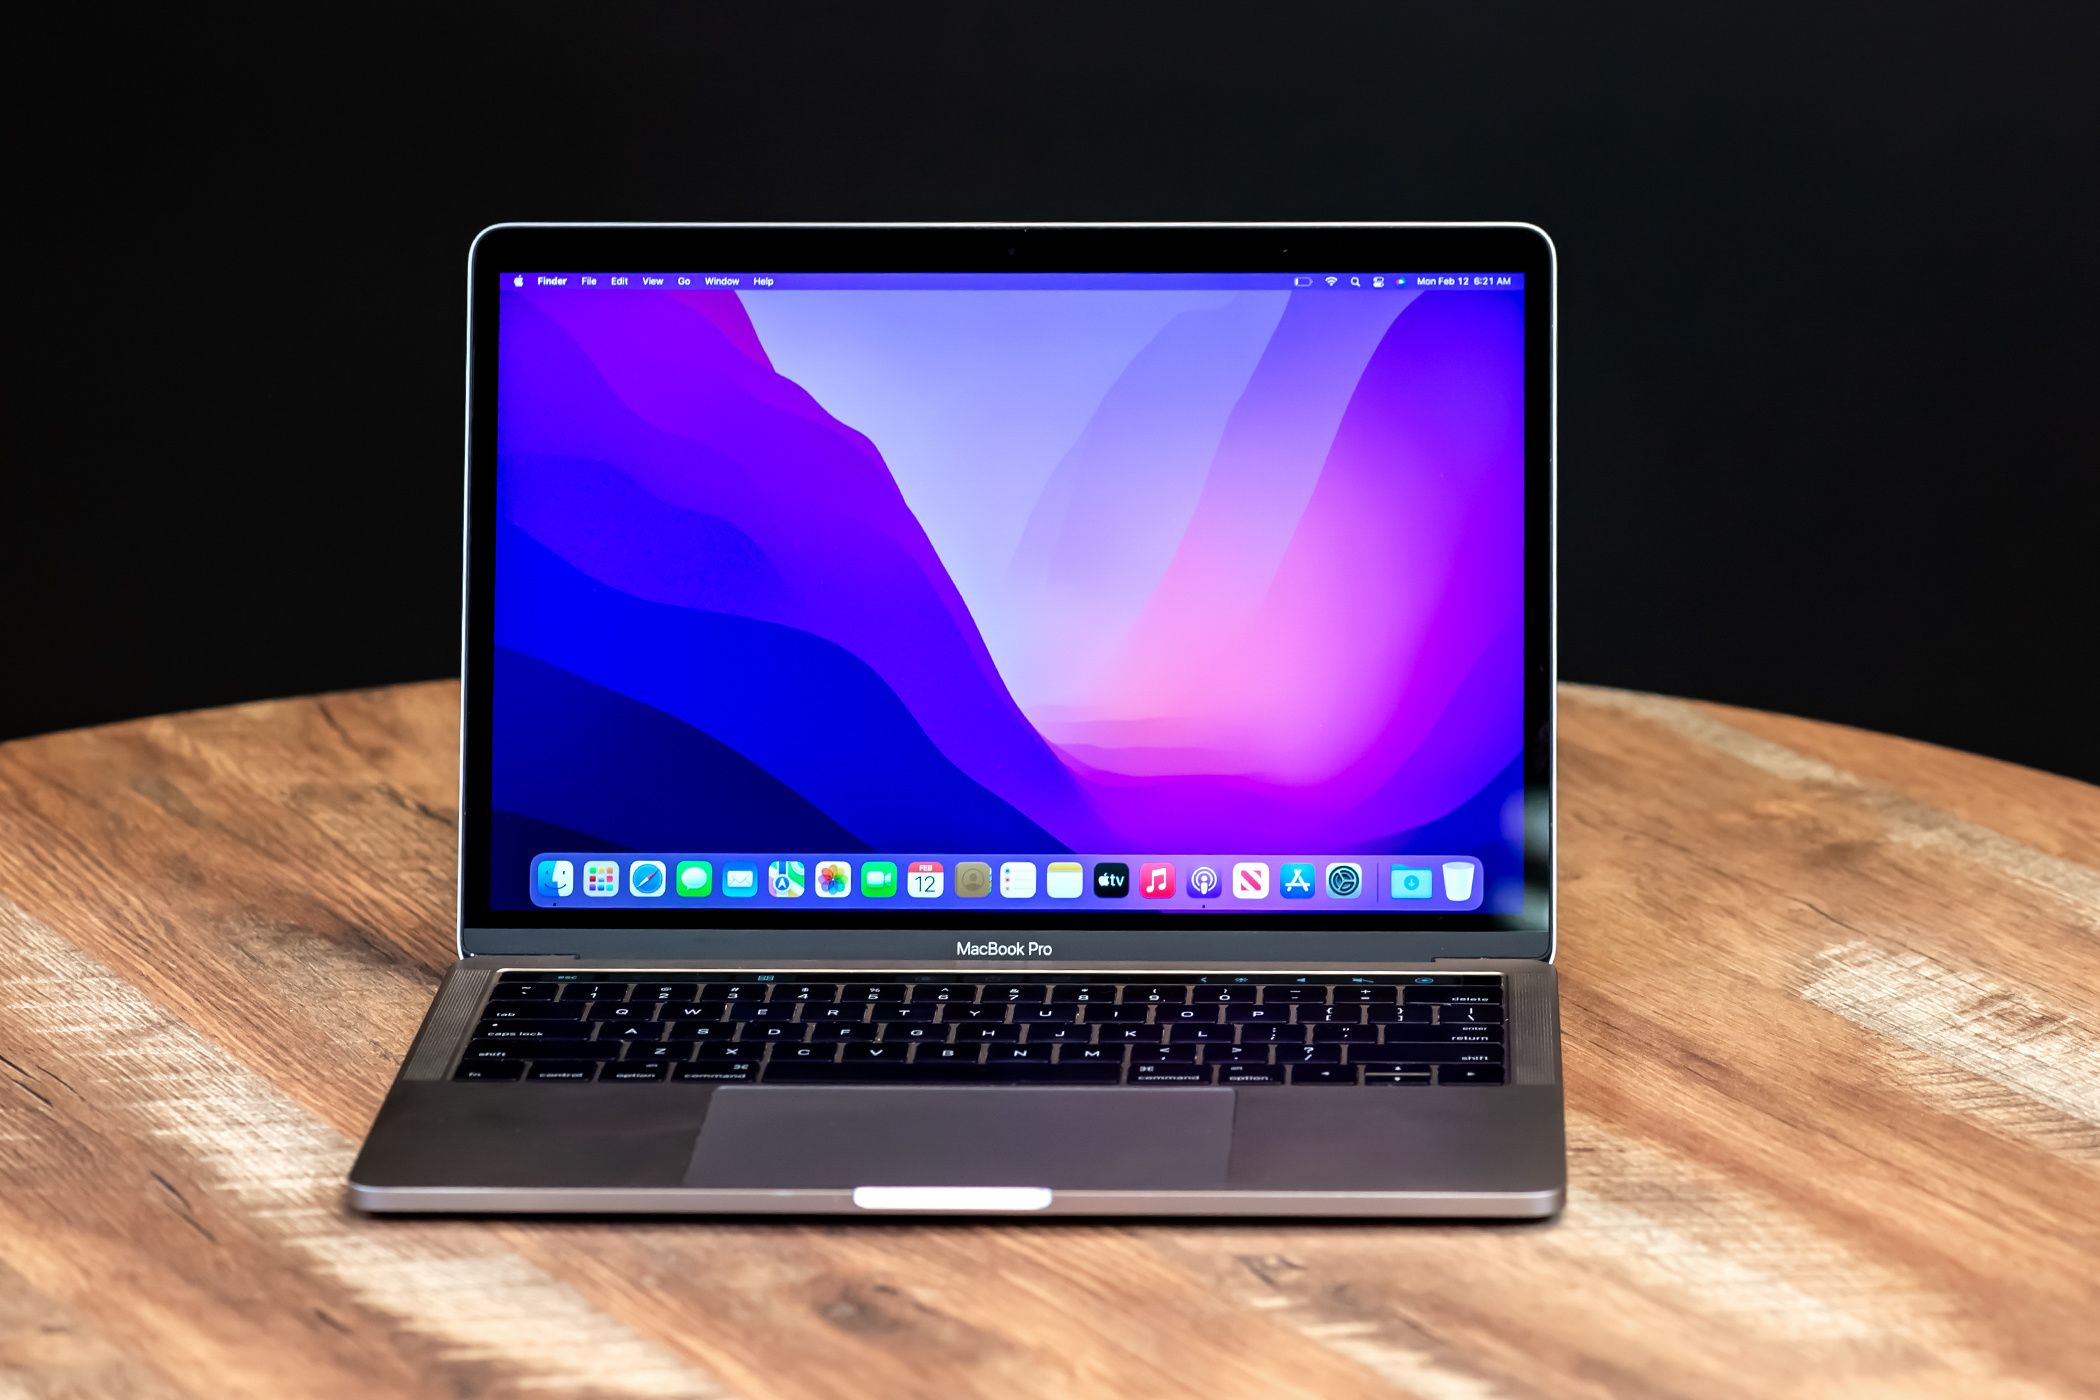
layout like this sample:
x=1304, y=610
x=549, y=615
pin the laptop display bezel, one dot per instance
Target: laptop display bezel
x=1324, y=938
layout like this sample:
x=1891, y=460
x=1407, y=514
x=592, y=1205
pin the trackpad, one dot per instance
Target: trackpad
x=1066, y=1139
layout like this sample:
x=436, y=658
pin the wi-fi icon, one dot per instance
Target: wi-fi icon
x=1332, y=280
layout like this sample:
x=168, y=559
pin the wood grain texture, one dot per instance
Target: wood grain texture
x=1832, y=1009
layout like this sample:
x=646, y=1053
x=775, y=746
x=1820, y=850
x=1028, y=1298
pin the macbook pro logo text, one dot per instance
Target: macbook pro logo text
x=1004, y=950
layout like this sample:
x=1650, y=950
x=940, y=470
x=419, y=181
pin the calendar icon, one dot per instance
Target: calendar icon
x=601, y=878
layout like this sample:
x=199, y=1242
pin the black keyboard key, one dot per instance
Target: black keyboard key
x=1153, y=1072
x=864, y=1053
x=565, y=1071
x=873, y=991
x=632, y=1072
x=1211, y=994
x=981, y=1034
x=1274, y=1035
x=1310, y=1054
x=1344, y=1034
x=1360, y=993
x=1257, y=1014
x=1392, y=1012
x=700, y=1030
x=611, y=1011
x=1464, y=1015
x=1336, y=1014
x=531, y=1011
x=552, y=1049
x=1398, y=1074
x=1456, y=1033
x=846, y=1031
x=947, y=1054
x=1090, y=1055
x=1323, y=1074
x=491, y=1070
x=734, y=991
x=1100, y=1014
x=1469, y=1074
x=664, y=991
x=804, y=1054
x=763, y=1010
x=594, y=991
x=630, y=1030
x=659, y=1052
x=943, y=993
x=508, y=990
x=532, y=1030
x=1087, y=992
x=1291, y=993
x=1234, y=1054
x=1197, y=1014
x=773, y=1032
x=1173, y=1054
x=890, y=1013
x=911, y=1034
x=1250, y=1074
x=1422, y=1053
x=1199, y=1035
x=1453, y=996
x=1016, y=993
x=1024, y=1054
x=722, y=1051
x=1128, y=1035
x=716, y=1072
x=992, y=1014
x=831, y=1013
x=935, y=1072
x=1040, y=1032
x=1155, y=993
x=805, y=991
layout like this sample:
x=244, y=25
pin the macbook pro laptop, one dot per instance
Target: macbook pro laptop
x=1028, y=719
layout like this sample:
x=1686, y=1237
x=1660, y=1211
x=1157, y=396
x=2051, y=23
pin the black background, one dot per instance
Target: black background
x=1828, y=298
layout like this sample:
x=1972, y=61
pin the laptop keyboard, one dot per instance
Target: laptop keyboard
x=933, y=1028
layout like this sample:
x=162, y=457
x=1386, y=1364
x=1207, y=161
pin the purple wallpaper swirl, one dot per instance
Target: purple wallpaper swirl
x=1096, y=571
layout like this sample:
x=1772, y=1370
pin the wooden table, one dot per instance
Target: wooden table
x=1833, y=1059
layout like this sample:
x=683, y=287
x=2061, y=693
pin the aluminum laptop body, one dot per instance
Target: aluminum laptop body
x=1032, y=719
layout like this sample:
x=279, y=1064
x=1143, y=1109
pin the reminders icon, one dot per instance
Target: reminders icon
x=1067, y=879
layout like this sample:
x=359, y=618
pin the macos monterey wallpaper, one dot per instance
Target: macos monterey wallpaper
x=1138, y=570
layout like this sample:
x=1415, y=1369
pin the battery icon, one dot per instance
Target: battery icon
x=1301, y=281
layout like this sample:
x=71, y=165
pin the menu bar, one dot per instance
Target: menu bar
x=1319, y=281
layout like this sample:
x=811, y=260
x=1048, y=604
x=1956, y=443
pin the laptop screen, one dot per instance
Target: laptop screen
x=1093, y=596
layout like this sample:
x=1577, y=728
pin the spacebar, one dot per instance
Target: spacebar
x=802, y=1072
